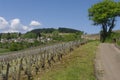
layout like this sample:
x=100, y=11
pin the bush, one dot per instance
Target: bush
x=15, y=47
x=114, y=35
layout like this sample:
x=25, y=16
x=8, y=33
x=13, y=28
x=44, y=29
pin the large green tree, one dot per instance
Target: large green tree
x=104, y=14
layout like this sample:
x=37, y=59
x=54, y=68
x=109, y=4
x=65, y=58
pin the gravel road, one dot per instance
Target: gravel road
x=107, y=62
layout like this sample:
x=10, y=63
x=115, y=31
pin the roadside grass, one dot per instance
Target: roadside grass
x=78, y=65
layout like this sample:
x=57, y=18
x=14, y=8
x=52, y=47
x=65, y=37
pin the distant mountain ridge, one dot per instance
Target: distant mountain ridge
x=50, y=30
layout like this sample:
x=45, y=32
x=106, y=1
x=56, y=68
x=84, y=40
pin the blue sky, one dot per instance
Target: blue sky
x=25, y=15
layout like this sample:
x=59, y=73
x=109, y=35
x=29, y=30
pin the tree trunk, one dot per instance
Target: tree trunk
x=107, y=29
x=111, y=26
x=103, y=33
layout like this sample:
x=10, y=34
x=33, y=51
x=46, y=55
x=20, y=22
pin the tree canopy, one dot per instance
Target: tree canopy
x=29, y=35
x=104, y=13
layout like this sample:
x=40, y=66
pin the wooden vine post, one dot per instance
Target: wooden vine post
x=20, y=67
x=7, y=71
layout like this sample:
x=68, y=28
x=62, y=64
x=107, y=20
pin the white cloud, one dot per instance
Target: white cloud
x=26, y=28
x=15, y=25
x=35, y=23
x=9, y=30
x=3, y=23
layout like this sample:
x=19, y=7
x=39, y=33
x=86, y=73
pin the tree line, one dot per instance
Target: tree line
x=60, y=30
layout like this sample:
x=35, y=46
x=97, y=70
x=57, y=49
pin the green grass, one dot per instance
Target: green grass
x=4, y=50
x=79, y=65
x=118, y=43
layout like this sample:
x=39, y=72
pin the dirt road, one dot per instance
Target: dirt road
x=108, y=62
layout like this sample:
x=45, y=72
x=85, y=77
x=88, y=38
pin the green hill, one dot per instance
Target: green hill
x=50, y=30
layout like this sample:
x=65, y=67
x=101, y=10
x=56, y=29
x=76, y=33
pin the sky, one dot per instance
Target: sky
x=25, y=15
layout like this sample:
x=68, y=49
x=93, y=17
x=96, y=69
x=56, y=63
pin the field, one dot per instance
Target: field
x=3, y=51
x=79, y=65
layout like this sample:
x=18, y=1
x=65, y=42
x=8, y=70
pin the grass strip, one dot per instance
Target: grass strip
x=78, y=65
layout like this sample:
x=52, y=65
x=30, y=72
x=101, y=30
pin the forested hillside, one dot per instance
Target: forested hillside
x=50, y=30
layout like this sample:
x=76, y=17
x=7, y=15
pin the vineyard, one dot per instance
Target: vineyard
x=25, y=64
